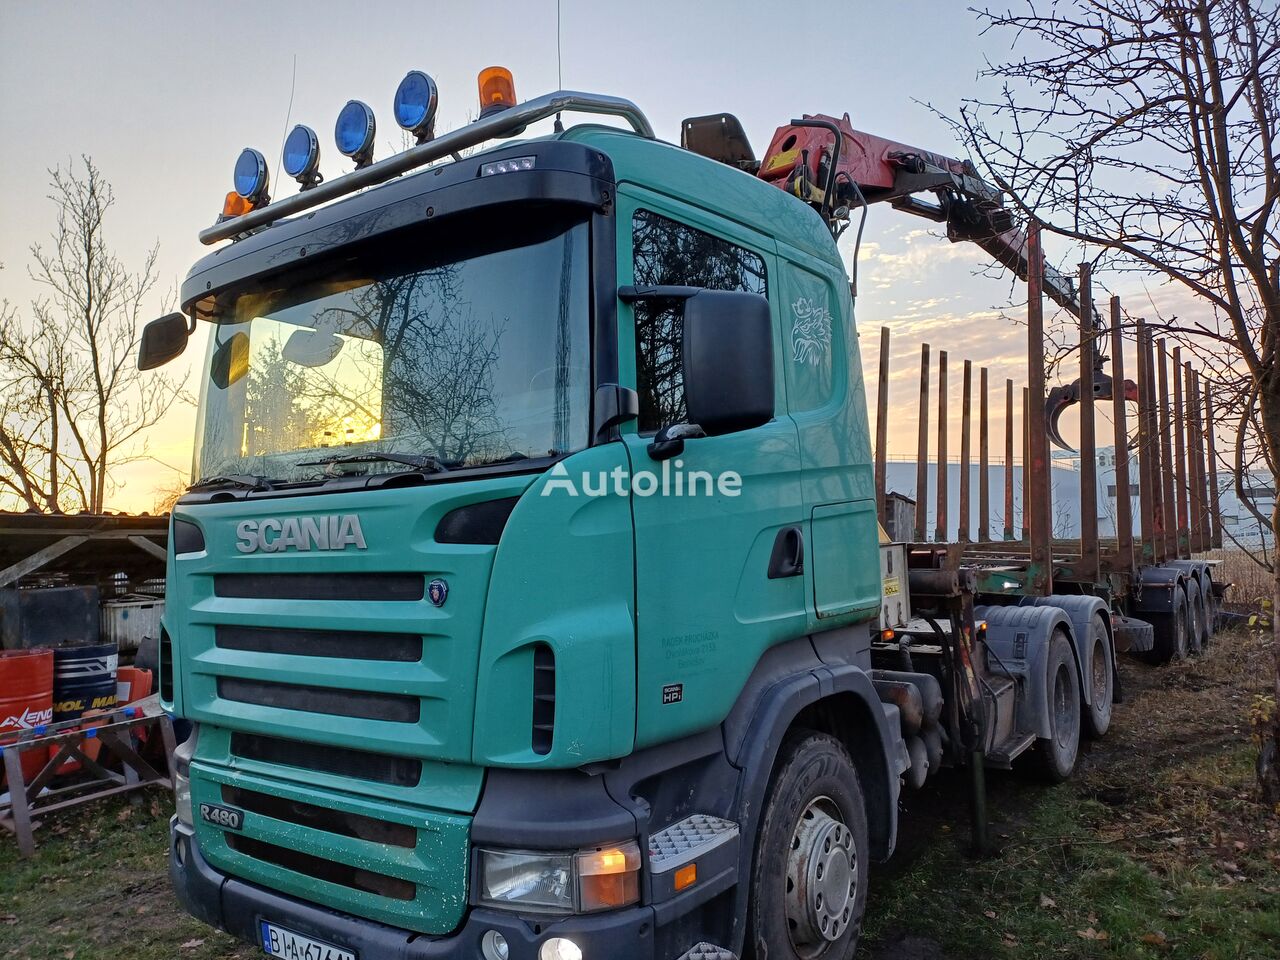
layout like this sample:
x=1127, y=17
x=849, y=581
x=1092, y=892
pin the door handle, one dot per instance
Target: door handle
x=787, y=558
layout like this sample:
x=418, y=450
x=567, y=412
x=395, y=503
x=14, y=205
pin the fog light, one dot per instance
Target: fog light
x=560, y=948
x=494, y=946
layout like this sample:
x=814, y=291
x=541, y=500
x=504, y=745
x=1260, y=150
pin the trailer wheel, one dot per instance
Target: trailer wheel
x=1171, y=641
x=1097, y=715
x=1054, y=757
x=1197, y=618
x=809, y=885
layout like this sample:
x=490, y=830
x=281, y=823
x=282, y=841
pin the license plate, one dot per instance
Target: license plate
x=279, y=942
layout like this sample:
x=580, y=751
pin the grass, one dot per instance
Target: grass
x=1157, y=850
x=98, y=889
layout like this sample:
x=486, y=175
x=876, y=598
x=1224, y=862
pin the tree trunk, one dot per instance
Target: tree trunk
x=1269, y=733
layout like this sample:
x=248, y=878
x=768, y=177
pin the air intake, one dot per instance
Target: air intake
x=544, y=698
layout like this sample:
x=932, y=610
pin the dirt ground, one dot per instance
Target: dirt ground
x=1157, y=849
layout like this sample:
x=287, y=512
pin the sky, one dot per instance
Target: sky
x=164, y=96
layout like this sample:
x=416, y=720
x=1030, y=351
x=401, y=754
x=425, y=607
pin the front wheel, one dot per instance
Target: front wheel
x=1054, y=757
x=809, y=884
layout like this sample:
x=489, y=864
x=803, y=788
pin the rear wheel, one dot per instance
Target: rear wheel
x=1054, y=757
x=1171, y=642
x=1097, y=715
x=1197, y=618
x=809, y=885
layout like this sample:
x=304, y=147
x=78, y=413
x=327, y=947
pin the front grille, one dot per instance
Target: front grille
x=322, y=869
x=321, y=818
x=320, y=586
x=360, y=704
x=355, y=645
x=340, y=761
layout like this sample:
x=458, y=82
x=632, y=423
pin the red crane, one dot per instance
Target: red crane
x=837, y=169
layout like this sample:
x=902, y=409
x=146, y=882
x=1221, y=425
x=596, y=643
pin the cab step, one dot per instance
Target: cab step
x=688, y=839
x=708, y=951
x=1003, y=756
x=699, y=850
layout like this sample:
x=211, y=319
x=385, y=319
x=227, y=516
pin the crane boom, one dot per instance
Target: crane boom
x=825, y=162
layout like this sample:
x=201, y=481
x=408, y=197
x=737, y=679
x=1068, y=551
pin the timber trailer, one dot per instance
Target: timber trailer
x=464, y=682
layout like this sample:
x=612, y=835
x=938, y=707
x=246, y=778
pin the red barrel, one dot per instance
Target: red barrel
x=26, y=699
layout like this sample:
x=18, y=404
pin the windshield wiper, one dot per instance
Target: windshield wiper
x=244, y=481
x=417, y=461
x=515, y=457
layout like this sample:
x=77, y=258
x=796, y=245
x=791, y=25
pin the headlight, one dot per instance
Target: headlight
x=182, y=776
x=601, y=878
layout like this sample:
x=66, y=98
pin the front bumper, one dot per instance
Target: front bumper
x=237, y=907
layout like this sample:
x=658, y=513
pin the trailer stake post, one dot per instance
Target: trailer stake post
x=1215, y=508
x=1180, y=458
x=1008, y=460
x=940, y=530
x=1041, y=567
x=882, y=426
x=1089, y=568
x=1026, y=467
x=1119, y=413
x=984, y=461
x=1166, y=454
x=966, y=416
x=922, y=449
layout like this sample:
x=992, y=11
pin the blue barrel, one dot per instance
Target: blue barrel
x=84, y=678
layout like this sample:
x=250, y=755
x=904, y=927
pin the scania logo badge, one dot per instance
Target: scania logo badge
x=437, y=592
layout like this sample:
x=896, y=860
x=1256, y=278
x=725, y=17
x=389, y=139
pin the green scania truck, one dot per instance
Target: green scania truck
x=530, y=600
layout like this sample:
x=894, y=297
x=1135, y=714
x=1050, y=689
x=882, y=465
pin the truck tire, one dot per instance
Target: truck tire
x=1097, y=715
x=1053, y=758
x=1197, y=619
x=809, y=882
x=1171, y=630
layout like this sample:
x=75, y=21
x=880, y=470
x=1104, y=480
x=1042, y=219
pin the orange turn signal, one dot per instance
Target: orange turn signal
x=686, y=876
x=609, y=878
x=887, y=634
x=497, y=90
x=235, y=205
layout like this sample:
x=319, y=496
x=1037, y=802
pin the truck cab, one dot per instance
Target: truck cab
x=525, y=597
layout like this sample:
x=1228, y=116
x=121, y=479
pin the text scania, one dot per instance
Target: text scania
x=335, y=531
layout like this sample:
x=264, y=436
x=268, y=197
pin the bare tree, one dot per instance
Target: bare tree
x=1147, y=129
x=75, y=405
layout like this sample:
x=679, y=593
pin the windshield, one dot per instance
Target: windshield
x=455, y=359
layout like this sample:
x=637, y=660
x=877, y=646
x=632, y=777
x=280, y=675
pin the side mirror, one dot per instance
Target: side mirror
x=230, y=360
x=728, y=361
x=162, y=340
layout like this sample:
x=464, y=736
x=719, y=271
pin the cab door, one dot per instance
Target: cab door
x=706, y=524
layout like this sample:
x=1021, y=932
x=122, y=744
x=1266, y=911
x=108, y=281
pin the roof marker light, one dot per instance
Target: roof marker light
x=302, y=156
x=415, y=105
x=251, y=178
x=354, y=133
x=509, y=165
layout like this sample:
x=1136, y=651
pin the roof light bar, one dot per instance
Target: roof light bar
x=539, y=108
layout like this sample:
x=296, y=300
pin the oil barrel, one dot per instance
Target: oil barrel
x=26, y=701
x=84, y=678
